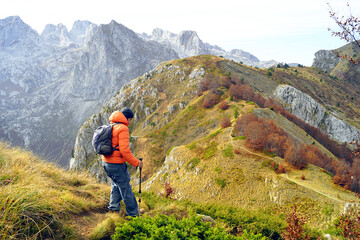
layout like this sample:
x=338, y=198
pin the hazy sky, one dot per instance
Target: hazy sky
x=283, y=30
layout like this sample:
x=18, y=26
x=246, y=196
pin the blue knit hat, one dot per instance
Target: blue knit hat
x=127, y=112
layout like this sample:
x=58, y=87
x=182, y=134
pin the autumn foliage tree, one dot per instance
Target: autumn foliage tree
x=262, y=134
x=223, y=105
x=225, y=82
x=210, y=100
x=225, y=122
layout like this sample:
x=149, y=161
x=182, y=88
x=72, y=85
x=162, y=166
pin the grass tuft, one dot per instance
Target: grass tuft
x=36, y=197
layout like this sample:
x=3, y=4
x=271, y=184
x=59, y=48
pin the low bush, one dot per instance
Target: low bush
x=225, y=122
x=210, y=100
x=224, y=105
x=168, y=227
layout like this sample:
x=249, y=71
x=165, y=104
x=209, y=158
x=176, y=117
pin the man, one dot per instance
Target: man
x=114, y=164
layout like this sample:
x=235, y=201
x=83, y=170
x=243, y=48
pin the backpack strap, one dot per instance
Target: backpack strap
x=112, y=125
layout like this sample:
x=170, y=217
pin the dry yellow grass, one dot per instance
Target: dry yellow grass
x=37, y=197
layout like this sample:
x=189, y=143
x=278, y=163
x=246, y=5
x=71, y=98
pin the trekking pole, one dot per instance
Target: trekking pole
x=139, y=190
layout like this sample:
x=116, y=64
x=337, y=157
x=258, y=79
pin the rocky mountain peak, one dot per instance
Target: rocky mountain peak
x=327, y=60
x=79, y=31
x=160, y=35
x=56, y=35
x=15, y=33
x=188, y=35
x=190, y=43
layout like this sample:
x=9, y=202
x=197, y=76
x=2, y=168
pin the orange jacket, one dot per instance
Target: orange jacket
x=120, y=136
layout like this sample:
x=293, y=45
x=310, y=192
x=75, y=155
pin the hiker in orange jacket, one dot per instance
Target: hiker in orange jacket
x=115, y=167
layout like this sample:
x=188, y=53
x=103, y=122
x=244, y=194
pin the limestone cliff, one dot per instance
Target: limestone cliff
x=312, y=112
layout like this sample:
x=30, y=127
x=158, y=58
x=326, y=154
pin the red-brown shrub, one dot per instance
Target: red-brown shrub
x=206, y=83
x=210, y=100
x=168, y=190
x=235, y=91
x=281, y=168
x=259, y=100
x=295, y=228
x=203, y=86
x=242, y=122
x=255, y=134
x=225, y=122
x=236, y=151
x=302, y=177
x=349, y=224
x=246, y=93
x=293, y=155
x=223, y=105
x=225, y=82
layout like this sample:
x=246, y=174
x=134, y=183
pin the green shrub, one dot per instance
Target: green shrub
x=210, y=150
x=217, y=169
x=228, y=151
x=221, y=182
x=236, y=114
x=240, y=138
x=168, y=227
x=258, y=222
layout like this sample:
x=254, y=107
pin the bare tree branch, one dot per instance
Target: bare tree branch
x=350, y=30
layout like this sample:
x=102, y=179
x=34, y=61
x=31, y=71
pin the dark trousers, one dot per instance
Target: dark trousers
x=120, y=188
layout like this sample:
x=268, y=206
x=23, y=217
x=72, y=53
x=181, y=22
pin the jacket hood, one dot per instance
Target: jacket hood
x=118, y=116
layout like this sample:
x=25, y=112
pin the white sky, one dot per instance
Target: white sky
x=283, y=30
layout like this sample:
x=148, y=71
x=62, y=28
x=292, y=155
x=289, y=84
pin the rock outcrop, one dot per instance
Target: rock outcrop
x=307, y=109
x=326, y=60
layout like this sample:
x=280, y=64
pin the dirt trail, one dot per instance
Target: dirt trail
x=84, y=224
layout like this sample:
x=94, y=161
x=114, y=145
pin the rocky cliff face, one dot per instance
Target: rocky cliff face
x=307, y=109
x=332, y=62
x=327, y=60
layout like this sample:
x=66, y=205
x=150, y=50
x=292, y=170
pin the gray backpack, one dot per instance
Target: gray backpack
x=101, y=140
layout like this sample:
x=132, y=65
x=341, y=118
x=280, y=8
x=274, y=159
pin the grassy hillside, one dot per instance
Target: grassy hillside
x=41, y=201
x=206, y=170
x=38, y=200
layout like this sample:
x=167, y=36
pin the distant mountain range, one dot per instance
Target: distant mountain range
x=52, y=82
